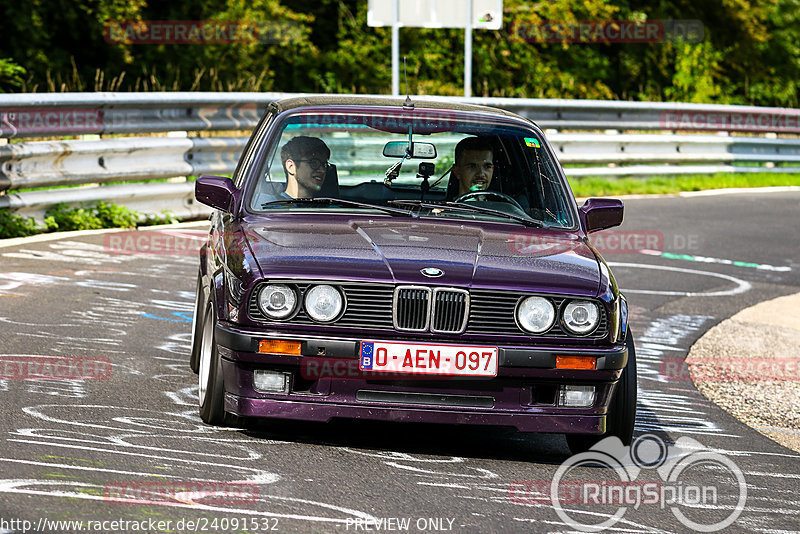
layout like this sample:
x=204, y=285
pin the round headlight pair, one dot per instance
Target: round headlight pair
x=537, y=315
x=322, y=303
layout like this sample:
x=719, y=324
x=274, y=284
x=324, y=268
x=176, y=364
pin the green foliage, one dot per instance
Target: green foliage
x=16, y=226
x=10, y=74
x=64, y=217
x=697, y=74
x=115, y=215
x=749, y=52
x=166, y=217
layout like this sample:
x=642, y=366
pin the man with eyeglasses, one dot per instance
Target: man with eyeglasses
x=305, y=162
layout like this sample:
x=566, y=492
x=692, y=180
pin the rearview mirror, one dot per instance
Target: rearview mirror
x=397, y=149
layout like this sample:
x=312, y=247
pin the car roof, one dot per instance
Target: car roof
x=387, y=102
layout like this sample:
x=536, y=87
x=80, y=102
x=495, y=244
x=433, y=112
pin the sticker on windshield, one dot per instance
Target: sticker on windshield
x=532, y=142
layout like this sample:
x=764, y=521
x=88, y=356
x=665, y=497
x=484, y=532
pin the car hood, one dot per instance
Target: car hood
x=397, y=250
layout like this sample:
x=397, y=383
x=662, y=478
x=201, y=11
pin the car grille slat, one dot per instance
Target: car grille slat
x=420, y=309
x=449, y=310
x=412, y=306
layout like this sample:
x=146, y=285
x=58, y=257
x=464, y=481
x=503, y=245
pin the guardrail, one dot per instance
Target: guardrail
x=36, y=164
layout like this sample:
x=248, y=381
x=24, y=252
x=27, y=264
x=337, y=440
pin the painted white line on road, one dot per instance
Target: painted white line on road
x=721, y=261
x=85, y=468
x=741, y=285
x=773, y=475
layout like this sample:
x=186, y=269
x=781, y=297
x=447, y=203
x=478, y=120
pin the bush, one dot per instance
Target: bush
x=68, y=218
x=63, y=217
x=16, y=226
x=166, y=217
x=116, y=216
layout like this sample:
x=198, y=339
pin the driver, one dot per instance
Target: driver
x=474, y=164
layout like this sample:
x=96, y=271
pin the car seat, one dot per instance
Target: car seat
x=330, y=186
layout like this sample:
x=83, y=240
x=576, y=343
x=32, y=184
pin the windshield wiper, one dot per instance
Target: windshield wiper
x=327, y=201
x=459, y=206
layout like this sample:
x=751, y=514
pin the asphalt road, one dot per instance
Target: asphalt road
x=85, y=450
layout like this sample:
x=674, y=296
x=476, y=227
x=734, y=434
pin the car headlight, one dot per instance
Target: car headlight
x=581, y=316
x=323, y=303
x=277, y=301
x=536, y=314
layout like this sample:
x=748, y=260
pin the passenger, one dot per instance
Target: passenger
x=305, y=162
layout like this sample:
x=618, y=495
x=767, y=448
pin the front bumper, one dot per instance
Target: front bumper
x=523, y=395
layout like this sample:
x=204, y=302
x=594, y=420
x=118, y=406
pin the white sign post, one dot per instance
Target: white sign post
x=467, y=14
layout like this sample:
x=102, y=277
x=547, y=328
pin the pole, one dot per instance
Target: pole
x=468, y=52
x=396, y=49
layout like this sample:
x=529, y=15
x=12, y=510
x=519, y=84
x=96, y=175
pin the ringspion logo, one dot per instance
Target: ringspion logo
x=705, y=490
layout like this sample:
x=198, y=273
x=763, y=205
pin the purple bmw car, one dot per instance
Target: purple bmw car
x=410, y=262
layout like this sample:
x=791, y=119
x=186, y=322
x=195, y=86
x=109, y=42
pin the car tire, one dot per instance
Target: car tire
x=211, y=393
x=621, y=411
x=197, y=327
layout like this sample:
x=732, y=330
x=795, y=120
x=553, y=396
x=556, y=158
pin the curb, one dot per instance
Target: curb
x=39, y=238
x=749, y=365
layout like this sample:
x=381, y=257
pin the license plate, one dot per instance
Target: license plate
x=427, y=359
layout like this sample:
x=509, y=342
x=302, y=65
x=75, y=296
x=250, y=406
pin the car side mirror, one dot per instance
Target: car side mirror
x=215, y=191
x=601, y=213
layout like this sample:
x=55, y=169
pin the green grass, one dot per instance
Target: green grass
x=595, y=186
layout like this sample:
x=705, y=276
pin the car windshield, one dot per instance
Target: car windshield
x=425, y=164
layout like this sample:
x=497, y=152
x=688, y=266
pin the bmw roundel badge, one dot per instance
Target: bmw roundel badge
x=432, y=272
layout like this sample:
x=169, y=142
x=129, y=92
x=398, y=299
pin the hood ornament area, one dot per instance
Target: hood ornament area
x=432, y=272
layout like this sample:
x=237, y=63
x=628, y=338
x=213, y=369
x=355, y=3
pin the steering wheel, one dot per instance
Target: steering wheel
x=496, y=194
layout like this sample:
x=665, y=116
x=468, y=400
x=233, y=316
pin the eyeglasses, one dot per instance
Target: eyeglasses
x=315, y=163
